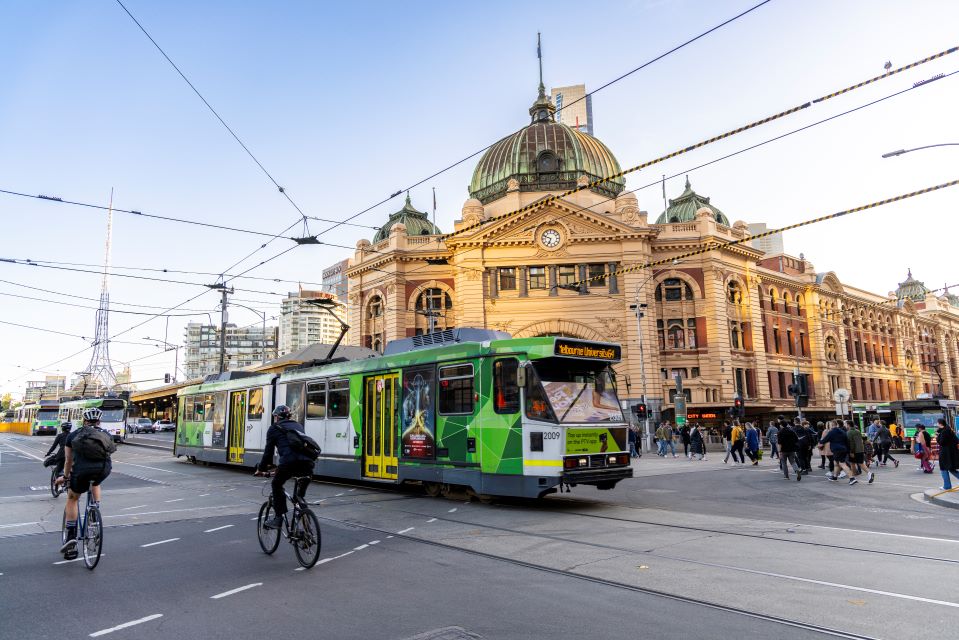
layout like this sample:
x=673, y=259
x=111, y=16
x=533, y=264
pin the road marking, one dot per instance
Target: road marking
x=361, y=547
x=139, y=506
x=143, y=466
x=342, y=555
x=323, y=561
x=838, y=585
x=338, y=495
x=403, y=531
x=256, y=518
x=237, y=590
x=174, y=500
x=388, y=537
x=151, y=513
x=203, y=495
x=431, y=520
x=452, y=510
x=233, y=489
x=371, y=542
x=879, y=533
x=26, y=453
x=77, y=559
x=153, y=544
x=19, y=524
x=226, y=526
x=125, y=625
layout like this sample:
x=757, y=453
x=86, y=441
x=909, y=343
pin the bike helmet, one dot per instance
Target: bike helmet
x=92, y=414
x=66, y=426
x=282, y=412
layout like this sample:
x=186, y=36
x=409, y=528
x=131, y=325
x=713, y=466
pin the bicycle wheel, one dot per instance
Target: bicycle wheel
x=54, y=489
x=307, y=542
x=269, y=538
x=63, y=528
x=93, y=538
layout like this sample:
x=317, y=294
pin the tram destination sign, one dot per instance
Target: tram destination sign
x=592, y=350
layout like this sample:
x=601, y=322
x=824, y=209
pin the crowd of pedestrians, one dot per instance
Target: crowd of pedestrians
x=844, y=451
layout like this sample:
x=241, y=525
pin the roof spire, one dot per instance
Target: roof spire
x=909, y=272
x=688, y=186
x=543, y=109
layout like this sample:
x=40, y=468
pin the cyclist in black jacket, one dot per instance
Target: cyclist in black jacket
x=58, y=443
x=292, y=464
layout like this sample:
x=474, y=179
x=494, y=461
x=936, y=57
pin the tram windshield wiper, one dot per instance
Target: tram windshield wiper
x=575, y=400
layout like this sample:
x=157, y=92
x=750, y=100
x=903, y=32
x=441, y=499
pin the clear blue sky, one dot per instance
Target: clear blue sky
x=346, y=103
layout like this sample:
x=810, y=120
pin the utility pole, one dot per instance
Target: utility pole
x=224, y=292
x=647, y=436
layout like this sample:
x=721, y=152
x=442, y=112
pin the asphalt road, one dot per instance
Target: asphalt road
x=685, y=550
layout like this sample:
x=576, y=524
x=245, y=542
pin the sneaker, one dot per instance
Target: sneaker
x=273, y=523
x=872, y=476
x=71, y=554
x=895, y=464
x=830, y=476
x=853, y=481
x=842, y=474
x=675, y=456
x=822, y=466
x=799, y=477
x=69, y=545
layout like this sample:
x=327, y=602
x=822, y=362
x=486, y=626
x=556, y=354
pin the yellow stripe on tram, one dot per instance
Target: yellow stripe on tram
x=543, y=463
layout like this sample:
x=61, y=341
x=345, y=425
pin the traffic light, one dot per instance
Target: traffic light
x=640, y=411
x=739, y=407
x=166, y=378
x=799, y=389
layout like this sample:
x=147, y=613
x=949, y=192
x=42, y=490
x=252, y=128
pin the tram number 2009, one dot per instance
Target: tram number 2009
x=551, y=435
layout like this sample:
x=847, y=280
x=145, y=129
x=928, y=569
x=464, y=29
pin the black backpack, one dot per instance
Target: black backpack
x=93, y=444
x=302, y=444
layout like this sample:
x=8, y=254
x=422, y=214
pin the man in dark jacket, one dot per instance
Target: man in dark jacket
x=788, y=446
x=291, y=463
x=58, y=444
x=839, y=448
x=948, y=454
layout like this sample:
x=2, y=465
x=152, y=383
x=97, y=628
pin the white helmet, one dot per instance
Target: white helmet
x=93, y=414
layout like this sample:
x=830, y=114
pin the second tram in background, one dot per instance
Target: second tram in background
x=464, y=408
x=113, y=420
x=42, y=417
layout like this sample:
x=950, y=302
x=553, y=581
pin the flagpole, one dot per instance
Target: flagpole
x=434, y=206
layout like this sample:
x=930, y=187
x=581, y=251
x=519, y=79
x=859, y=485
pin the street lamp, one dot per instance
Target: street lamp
x=928, y=146
x=176, y=353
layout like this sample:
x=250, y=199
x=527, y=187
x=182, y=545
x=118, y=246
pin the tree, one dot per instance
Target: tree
x=6, y=402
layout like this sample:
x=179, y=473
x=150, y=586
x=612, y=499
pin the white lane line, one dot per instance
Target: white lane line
x=338, y=495
x=237, y=590
x=342, y=555
x=891, y=594
x=361, y=547
x=323, y=561
x=233, y=489
x=203, y=495
x=139, y=506
x=371, y=542
x=153, y=544
x=452, y=510
x=175, y=500
x=26, y=453
x=352, y=489
x=125, y=625
x=78, y=559
x=388, y=537
x=19, y=524
x=878, y=533
x=406, y=530
x=143, y=466
x=256, y=518
x=431, y=520
x=226, y=526
x=152, y=513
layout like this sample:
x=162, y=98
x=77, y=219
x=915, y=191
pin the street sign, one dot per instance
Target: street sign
x=680, y=421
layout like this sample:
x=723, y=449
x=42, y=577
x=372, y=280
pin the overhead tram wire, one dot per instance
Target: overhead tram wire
x=703, y=143
x=83, y=306
x=63, y=333
x=591, y=93
x=589, y=208
x=70, y=295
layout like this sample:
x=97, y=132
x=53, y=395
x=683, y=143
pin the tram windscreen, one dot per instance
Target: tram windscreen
x=112, y=415
x=48, y=414
x=576, y=392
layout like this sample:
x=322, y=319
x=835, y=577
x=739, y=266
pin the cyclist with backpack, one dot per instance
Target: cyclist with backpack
x=87, y=460
x=298, y=453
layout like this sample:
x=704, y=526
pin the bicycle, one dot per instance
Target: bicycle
x=89, y=532
x=301, y=527
x=55, y=488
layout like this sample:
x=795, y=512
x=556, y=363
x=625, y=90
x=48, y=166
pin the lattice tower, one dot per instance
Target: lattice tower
x=99, y=373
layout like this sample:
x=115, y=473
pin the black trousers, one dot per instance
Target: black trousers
x=283, y=473
x=737, y=450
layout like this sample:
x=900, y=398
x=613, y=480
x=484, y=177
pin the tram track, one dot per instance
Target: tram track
x=798, y=624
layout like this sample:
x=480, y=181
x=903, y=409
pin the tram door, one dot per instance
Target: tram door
x=237, y=426
x=379, y=426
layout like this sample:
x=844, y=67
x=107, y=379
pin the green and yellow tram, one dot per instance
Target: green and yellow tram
x=113, y=420
x=41, y=416
x=461, y=408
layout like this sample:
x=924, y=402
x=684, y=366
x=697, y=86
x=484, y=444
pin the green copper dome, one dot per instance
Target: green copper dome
x=911, y=289
x=950, y=297
x=544, y=156
x=417, y=224
x=684, y=208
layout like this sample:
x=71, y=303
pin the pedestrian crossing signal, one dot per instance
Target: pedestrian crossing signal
x=640, y=411
x=739, y=408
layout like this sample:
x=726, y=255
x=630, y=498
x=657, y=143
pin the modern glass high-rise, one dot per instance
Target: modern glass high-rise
x=573, y=107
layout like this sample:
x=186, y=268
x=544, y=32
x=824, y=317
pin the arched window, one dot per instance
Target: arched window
x=375, y=333
x=547, y=162
x=675, y=335
x=787, y=298
x=434, y=311
x=772, y=298
x=672, y=290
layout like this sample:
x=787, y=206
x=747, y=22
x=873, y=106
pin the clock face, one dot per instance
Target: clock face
x=551, y=238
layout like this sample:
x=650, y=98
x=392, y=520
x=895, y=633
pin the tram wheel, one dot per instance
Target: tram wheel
x=432, y=489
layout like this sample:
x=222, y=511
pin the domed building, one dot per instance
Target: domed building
x=545, y=246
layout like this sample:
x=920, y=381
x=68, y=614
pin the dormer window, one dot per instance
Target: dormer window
x=547, y=162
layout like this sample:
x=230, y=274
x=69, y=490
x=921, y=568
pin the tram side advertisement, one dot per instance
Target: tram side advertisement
x=419, y=422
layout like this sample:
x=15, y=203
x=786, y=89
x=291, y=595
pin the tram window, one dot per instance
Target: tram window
x=255, y=407
x=316, y=400
x=456, y=389
x=294, y=400
x=338, y=402
x=208, y=407
x=505, y=387
x=188, y=409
